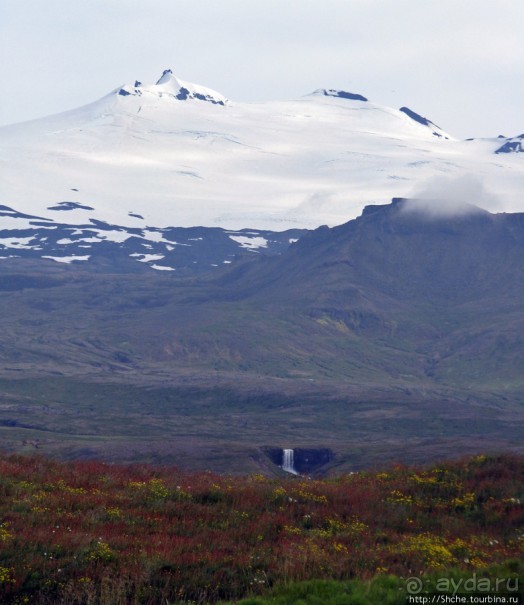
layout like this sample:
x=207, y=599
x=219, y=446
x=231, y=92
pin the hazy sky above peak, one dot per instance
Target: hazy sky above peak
x=458, y=62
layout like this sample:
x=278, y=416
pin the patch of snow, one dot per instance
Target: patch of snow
x=159, y=238
x=13, y=222
x=68, y=259
x=146, y=258
x=154, y=236
x=80, y=240
x=17, y=242
x=249, y=242
x=113, y=235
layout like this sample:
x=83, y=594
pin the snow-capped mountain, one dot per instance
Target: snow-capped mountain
x=171, y=87
x=175, y=154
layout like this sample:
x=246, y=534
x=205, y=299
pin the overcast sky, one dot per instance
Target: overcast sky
x=458, y=62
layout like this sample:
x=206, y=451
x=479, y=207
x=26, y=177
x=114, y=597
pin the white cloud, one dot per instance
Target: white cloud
x=451, y=196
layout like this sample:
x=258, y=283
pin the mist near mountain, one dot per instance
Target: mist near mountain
x=444, y=196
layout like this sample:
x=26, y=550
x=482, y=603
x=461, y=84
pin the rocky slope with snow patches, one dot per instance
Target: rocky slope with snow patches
x=173, y=154
x=512, y=145
x=104, y=245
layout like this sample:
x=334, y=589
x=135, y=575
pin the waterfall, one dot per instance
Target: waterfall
x=288, y=464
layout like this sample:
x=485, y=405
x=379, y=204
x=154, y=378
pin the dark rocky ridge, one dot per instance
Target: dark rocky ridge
x=513, y=145
x=342, y=94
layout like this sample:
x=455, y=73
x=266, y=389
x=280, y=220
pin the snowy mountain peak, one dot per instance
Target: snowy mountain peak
x=167, y=76
x=170, y=86
x=417, y=117
x=341, y=94
x=424, y=121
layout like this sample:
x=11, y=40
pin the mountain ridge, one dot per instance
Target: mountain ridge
x=391, y=276
x=344, y=341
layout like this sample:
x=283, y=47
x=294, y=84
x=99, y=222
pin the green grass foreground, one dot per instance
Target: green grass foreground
x=391, y=590
x=88, y=533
